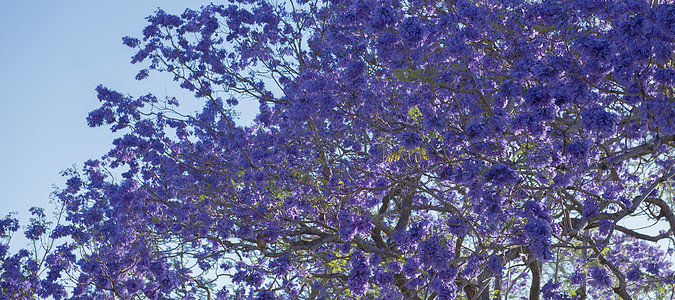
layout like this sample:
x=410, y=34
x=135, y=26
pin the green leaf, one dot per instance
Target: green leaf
x=544, y=29
x=414, y=114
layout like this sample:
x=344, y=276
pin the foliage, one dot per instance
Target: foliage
x=402, y=150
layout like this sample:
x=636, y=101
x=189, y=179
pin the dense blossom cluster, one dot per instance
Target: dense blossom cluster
x=402, y=150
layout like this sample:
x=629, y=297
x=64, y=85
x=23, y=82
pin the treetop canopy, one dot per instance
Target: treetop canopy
x=402, y=150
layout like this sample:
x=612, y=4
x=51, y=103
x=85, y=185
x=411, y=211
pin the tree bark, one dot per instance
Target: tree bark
x=535, y=286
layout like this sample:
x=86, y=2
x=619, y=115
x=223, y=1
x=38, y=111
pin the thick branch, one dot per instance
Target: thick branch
x=621, y=289
x=637, y=201
x=535, y=286
x=630, y=153
x=666, y=211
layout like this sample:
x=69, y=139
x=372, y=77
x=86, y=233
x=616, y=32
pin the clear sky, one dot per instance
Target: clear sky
x=52, y=55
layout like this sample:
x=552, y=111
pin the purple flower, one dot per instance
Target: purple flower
x=8, y=225
x=537, y=210
x=347, y=229
x=142, y=74
x=494, y=264
x=448, y=275
x=359, y=274
x=34, y=231
x=577, y=151
x=411, y=31
x=411, y=268
x=133, y=285
x=395, y=266
x=590, y=208
x=457, y=226
x=634, y=274
x=130, y=41
x=502, y=175
x=410, y=140
x=266, y=295
x=539, y=232
x=363, y=224
x=375, y=259
x=600, y=276
x=384, y=278
x=477, y=131
x=354, y=70
x=652, y=268
x=472, y=267
x=3, y=251
x=444, y=289
x=665, y=19
x=382, y=16
x=578, y=277
x=538, y=96
x=492, y=207
x=598, y=119
x=539, y=157
x=665, y=76
x=432, y=253
x=605, y=226
x=550, y=291
x=387, y=41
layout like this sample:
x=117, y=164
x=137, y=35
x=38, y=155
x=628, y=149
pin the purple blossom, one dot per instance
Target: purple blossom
x=551, y=291
x=35, y=231
x=598, y=119
x=539, y=232
x=411, y=268
x=634, y=274
x=590, y=208
x=382, y=16
x=266, y=295
x=130, y=41
x=410, y=140
x=538, y=96
x=577, y=151
x=387, y=41
x=652, y=268
x=665, y=19
x=359, y=274
x=133, y=285
x=578, y=277
x=537, y=210
x=432, y=253
x=494, y=264
x=492, y=207
x=600, y=276
x=457, y=226
x=384, y=278
x=502, y=175
x=395, y=266
x=354, y=69
x=142, y=74
x=411, y=31
x=472, y=266
x=347, y=229
x=477, y=131
x=665, y=76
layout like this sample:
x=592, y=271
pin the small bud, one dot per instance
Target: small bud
x=326, y=172
x=261, y=241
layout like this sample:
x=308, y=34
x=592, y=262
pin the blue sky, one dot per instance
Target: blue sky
x=53, y=54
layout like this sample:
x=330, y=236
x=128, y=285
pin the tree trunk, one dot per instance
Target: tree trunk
x=535, y=286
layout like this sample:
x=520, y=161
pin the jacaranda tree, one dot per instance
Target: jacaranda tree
x=412, y=149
